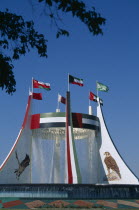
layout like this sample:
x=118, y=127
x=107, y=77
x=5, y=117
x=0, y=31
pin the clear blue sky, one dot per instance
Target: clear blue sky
x=112, y=59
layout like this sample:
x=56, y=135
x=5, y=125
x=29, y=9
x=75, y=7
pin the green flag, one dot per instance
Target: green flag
x=102, y=87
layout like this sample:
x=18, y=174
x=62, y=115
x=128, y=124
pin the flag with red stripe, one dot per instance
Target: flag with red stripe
x=75, y=81
x=92, y=97
x=37, y=96
x=37, y=84
x=61, y=99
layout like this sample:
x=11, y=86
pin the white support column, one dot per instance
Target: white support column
x=90, y=110
x=57, y=110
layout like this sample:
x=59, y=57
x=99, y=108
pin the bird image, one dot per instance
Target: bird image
x=22, y=165
x=111, y=165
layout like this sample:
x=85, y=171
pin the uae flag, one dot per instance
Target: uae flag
x=101, y=101
x=37, y=96
x=61, y=99
x=75, y=81
x=72, y=165
x=37, y=84
x=92, y=97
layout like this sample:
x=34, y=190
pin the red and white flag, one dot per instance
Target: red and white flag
x=37, y=84
x=75, y=81
x=61, y=99
x=92, y=97
x=37, y=96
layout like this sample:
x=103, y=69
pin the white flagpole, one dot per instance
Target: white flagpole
x=58, y=102
x=29, y=91
x=32, y=85
x=97, y=89
x=89, y=107
x=89, y=97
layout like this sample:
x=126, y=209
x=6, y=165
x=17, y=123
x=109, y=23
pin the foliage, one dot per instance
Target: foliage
x=18, y=36
x=6, y=74
x=90, y=18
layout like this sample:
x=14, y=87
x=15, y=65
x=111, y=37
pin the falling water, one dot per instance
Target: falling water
x=72, y=191
x=38, y=162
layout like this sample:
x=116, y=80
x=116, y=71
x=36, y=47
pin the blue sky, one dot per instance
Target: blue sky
x=111, y=59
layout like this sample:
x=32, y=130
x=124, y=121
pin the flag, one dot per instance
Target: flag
x=61, y=99
x=37, y=96
x=92, y=97
x=37, y=84
x=75, y=80
x=102, y=87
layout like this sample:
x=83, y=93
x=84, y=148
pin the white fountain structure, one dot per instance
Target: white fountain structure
x=65, y=148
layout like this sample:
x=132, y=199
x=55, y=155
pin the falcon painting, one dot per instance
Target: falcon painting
x=112, y=167
x=22, y=165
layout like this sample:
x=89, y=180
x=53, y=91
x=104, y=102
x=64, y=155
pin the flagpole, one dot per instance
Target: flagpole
x=89, y=98
x=97, y=88
x=89, y=107
x=68, y=83
x=29, y=91
x=32, y=84
x=58, y=102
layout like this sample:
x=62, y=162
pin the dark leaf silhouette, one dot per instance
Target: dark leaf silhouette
x=18, y=37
